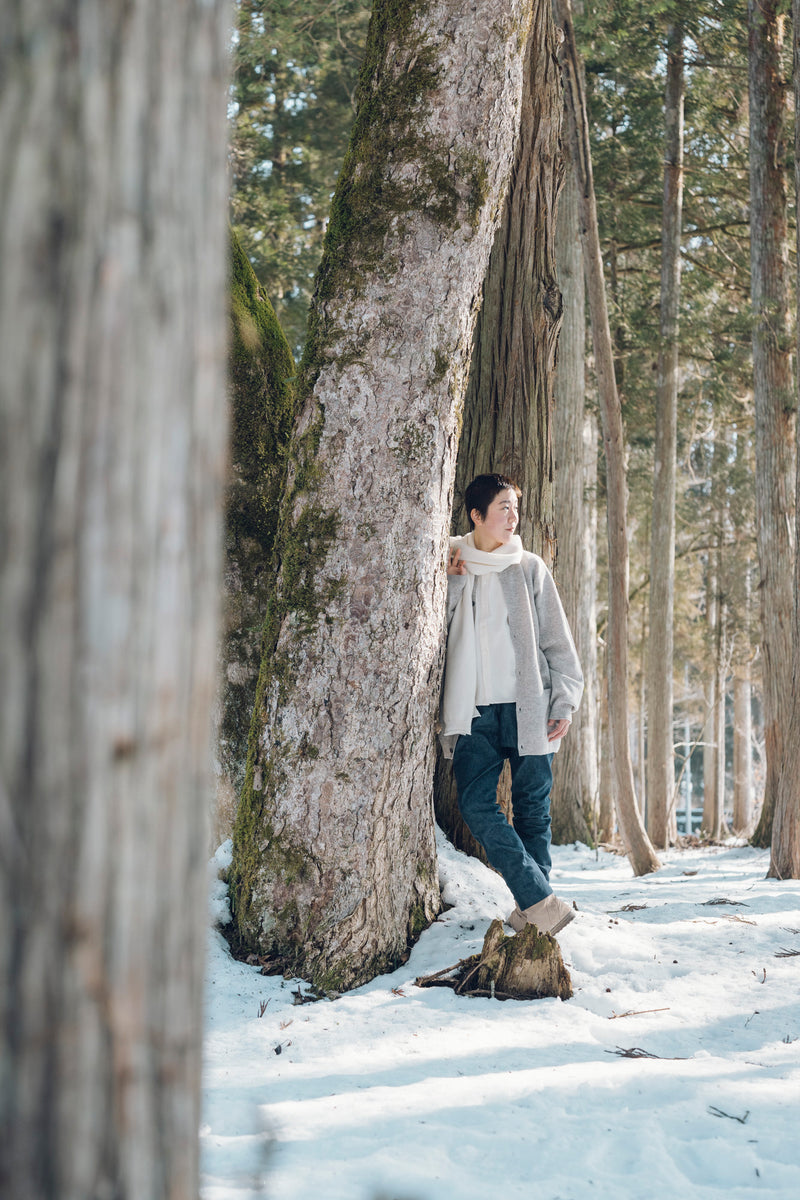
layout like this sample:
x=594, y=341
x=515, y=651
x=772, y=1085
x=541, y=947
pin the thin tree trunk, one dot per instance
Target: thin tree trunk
x=785, y=848
x=507, y=410
x=742, y=751
x=637, y=844
x=334, y=870
x=574, y=796
x=773, y=385
x=720, y=727
x=112, y=457
x=709, y=825
x=641, y=722
x=714, y=785
x=661, y=819
x=605, y=805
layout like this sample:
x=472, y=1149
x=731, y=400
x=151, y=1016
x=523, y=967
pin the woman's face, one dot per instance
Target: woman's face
x=497, y=527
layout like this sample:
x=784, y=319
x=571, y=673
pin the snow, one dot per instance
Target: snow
x=402, y=1093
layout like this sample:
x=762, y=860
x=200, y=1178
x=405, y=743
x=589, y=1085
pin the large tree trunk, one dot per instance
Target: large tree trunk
x=334, y=867
x=637, y=844
x=661, y=819
x=575, y=446
x=509, y=400
x=508, y=406
x=785, y=847
x=112, y=456
x=773, y=387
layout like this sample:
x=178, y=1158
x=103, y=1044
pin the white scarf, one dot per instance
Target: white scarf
x=461, y=672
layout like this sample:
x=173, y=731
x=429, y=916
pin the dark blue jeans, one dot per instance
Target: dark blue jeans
x=520, y=853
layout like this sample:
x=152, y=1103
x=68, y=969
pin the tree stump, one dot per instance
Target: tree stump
x=527, y=966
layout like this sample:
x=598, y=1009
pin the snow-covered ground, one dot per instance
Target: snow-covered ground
x=404, y=1093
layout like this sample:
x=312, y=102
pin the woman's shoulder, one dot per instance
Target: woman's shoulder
x=532, y=563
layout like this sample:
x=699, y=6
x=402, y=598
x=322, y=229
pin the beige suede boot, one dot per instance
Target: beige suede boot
x=549, y=915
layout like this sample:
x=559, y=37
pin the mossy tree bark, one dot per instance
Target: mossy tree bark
x=508, y=406
x=262, y=411
x=640, y=851
x=785, y=846
x=112, y=459
x=773, y=390
x=334, y=865
x=575, y=785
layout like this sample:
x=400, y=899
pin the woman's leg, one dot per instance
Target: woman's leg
x=477, y=763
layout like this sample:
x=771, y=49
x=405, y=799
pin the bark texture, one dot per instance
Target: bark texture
x=508, y=406
x=574, y=798
x=773, y=385
x=661, y=819
x=785, y=846
x=334, y=861
x=640, y=851
x=112, y=456
x=508, y=409
x=260, y=369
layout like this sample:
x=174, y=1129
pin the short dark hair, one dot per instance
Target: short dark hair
x=482, y=491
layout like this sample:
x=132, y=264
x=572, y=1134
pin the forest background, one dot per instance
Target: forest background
x=292, y=107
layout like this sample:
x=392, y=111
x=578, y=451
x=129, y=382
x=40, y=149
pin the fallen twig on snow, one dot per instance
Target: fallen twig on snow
x=638, y=1013
x=723, y=900
x=717, y=1112
x=638, y=1052
x=787, y=953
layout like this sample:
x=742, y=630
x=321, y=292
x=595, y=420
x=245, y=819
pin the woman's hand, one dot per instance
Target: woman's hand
x=455, y=566
x=557, y=729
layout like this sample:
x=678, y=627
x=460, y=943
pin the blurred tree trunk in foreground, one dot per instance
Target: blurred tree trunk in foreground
x=334, y=870
x=507, y=410
x=112, y=454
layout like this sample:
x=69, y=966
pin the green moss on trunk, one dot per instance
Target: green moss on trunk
x=261, y=371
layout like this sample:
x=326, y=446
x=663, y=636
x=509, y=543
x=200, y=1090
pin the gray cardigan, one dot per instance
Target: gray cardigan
x=549, y=676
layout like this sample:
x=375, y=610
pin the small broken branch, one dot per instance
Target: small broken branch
x=717, y=1112
x=639, y=1013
